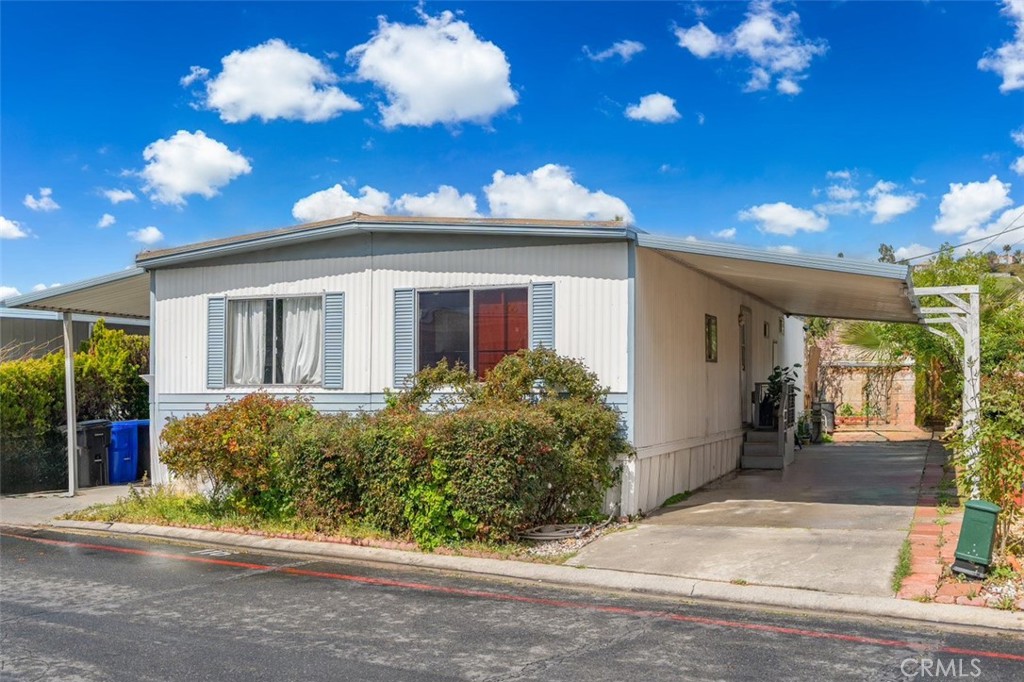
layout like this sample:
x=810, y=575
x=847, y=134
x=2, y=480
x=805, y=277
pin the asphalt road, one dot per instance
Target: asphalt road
x=87, y=607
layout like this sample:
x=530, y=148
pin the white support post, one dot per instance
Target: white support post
x=972, y=386
x=965, y=318
x=69, y=400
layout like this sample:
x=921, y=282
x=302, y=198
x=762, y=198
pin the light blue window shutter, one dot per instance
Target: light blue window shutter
x=405, y=337
x=334, y=340
x=215, y=310
x=542, y=315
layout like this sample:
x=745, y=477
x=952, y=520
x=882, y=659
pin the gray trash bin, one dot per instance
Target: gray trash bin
x=93, y=438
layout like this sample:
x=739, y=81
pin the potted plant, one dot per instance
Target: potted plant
x=772, y=400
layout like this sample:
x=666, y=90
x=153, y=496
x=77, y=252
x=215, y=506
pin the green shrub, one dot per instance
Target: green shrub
x=236, y=449
x=322, y=468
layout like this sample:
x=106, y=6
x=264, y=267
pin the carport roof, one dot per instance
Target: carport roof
x=800, y=284
x=120, y=294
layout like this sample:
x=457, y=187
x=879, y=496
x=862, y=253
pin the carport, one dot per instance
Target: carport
x=119, y=294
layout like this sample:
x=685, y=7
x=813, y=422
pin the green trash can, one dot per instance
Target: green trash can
x=977, y=535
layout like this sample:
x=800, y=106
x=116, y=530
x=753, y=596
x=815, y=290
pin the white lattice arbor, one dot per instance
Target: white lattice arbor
x=963, y=315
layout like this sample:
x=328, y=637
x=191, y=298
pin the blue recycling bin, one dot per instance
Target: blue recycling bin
x=124, y=450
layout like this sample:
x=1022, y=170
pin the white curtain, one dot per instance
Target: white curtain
x=303, y=341
x=247, y=342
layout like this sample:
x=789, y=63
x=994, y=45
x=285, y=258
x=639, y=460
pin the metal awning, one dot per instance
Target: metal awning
x=120, y=294
x=800, y=284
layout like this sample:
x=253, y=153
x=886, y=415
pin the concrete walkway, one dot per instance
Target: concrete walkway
x=833, y=521
x=36, y=509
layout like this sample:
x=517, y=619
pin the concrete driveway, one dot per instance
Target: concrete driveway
x=833, y=521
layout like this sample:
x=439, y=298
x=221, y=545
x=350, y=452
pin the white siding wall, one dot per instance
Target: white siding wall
x=591, y=303
x=687, y=424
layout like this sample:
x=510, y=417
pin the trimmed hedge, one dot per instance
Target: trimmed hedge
x=448, y=460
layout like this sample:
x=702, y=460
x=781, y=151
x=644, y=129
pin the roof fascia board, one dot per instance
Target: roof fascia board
x=853, y=267
x=38, y=296
x=301, y=236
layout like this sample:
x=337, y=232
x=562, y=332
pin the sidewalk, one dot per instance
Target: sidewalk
x=34, y=509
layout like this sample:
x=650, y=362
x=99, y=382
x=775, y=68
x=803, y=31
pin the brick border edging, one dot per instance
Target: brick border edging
x=933, y=539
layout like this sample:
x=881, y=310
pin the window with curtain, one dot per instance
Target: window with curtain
x=275, y=341
x=474, y=327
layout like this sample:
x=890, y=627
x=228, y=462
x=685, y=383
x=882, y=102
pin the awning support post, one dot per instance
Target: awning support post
x=69, y=400
x=965, y=317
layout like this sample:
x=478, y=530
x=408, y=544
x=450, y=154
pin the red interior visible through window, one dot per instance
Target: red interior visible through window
x=500, y=325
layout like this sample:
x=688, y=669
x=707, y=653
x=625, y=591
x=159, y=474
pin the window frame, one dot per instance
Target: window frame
x=710, y=338
x=273, y=370
x=528, y=287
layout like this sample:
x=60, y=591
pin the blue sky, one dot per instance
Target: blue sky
x=819, y=127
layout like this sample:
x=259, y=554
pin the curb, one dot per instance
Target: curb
x=599, y=578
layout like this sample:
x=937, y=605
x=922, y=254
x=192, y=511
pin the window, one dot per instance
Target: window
x=711, y=338
x=275, y=341
x=475, y=327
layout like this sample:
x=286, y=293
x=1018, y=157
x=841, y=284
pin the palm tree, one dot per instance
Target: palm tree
x=1006, y=250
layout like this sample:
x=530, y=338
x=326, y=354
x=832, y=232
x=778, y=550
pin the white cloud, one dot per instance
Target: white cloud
x=147, y=235
x=106, y=220
x=841, y=192
x=274, y=80
x=911, y=251
x=772, y=42
x=550, y=192
x=701, y=41
x=7, y=292
x=1008, y=59
x=727, y=233
x=1010, y=218
x=882, y=200
x=437, y=72
x=116, y=196
x=446, y=202
x=196, y=73
x=189, y=163
x=785, y=219
x=43, y=287
x=335, y=202
x=656, y=108
x=886, y=205
x=784, y=248
x=623, y=49
x=967, y=206
x=11, y=229
x=700, y=119
x=1018, y=138
x=44, y=203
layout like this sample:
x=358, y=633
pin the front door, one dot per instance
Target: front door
x=746, y=389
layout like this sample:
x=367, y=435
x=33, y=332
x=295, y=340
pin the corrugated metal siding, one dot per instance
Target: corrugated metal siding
x=334, y=340
x=687, y=412
x=590, y=307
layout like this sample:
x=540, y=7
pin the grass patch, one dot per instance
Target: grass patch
x=738, y=581
x=902, y=570
x=164, y=507
x=677, y=498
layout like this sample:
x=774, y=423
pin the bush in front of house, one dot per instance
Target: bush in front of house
x=235, y=451
x=448, y=460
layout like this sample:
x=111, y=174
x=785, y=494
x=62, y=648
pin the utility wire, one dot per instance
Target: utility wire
x=1011, y=228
